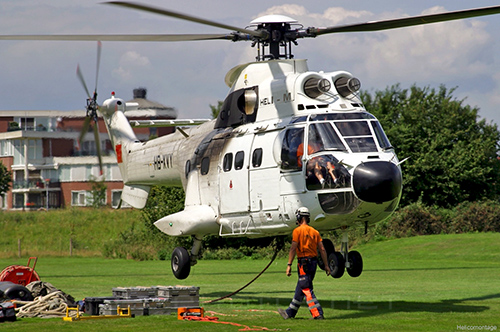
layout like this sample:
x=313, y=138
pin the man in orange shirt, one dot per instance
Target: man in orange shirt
x=305, y=243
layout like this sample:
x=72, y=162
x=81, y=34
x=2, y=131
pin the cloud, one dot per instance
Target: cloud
x=331, y=16
x=448, y=50
x=130, y=65
x=435, y=53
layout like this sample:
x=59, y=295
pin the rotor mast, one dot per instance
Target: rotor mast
x=279, y=37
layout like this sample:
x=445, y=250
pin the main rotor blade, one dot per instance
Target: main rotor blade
x=138, y=38
x=407, y=21
x=85, y=129
x=98, y=62
x=181, y=16
x=98, y=145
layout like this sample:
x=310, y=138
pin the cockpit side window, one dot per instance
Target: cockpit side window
x=382, y=139
x=293, y=138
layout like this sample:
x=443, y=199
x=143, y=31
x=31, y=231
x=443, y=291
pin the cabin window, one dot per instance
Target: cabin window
x=257, y=157
x=188, y=168
x=239, y=159
x=205, y=165
x=227, y=163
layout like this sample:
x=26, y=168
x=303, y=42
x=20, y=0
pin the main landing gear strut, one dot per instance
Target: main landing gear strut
x=345, y=260
x=182, y=260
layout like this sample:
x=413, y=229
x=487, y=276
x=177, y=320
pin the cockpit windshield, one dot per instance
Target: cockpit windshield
x=323, y=137
x=357, y=135
x=354, y=132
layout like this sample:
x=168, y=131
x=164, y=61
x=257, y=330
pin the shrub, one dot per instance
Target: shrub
x=414, y=219
x=476, y=217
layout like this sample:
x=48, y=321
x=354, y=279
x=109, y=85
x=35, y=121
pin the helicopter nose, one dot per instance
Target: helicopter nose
x=377, y=181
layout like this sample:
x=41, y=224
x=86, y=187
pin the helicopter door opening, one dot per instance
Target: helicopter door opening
x=233, y=175
x=264, y=177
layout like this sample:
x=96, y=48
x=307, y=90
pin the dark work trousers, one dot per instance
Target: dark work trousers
x=307, y=269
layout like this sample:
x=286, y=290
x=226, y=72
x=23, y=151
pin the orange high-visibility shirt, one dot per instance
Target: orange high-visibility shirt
x=307, y=239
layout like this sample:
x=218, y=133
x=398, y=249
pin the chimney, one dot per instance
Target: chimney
x=140, y=93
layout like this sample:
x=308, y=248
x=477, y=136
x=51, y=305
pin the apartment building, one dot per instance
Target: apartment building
x=49, y=168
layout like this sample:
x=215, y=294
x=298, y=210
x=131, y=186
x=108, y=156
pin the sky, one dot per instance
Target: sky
x=41, y=75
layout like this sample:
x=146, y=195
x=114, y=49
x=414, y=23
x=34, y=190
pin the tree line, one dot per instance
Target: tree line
x=453, y=154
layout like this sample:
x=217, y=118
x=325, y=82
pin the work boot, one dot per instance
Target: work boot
x=319, y=317
x=283, y=313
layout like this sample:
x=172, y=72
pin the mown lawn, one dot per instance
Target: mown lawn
x=431, y=283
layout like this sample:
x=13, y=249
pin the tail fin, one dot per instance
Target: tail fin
x=117, y=124
x=123, y=137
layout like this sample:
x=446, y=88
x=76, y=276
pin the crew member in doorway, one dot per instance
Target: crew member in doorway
x=305, y=244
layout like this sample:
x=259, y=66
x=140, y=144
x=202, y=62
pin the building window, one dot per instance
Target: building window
x=50, y=174
x=116, y=196
x=35, y=149
x=18, y=201
x=5, y=148
x=64, y=173
x=27, y=124
x=79, y=198
x=18, y=152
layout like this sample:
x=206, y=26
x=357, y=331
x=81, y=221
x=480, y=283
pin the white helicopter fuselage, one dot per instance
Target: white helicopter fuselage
x=285, y=138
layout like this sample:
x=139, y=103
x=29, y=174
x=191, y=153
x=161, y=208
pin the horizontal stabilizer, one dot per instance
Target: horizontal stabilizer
x=135, y=195
x=167, y=123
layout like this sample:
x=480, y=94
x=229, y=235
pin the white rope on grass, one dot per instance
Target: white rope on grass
x=48, y=306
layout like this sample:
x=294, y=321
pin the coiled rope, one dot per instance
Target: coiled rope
x=48, y=306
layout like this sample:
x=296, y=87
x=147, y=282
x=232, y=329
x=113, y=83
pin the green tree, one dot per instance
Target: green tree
x=453, y=154
x=162, y=201
x=97, y=196
x=5, y=179
x=215, y=110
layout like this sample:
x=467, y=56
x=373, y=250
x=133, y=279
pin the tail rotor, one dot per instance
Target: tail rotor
x=91, y=108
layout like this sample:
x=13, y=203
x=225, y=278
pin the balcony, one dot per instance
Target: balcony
x=34, y=185
x=36, y=201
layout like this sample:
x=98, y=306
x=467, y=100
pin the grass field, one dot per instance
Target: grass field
x=431, y=283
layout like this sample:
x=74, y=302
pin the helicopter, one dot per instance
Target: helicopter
x=285, y=137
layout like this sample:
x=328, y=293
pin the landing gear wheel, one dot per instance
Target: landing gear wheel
x=181, y=263
x=329, y=247
x=355, y=264
x=337, y=264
